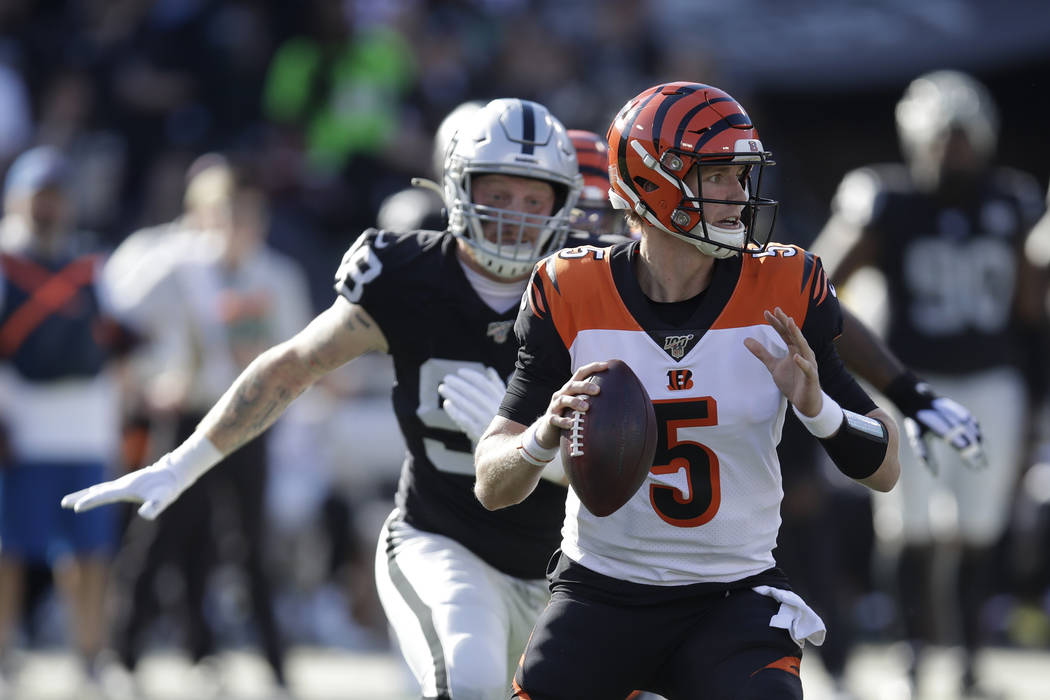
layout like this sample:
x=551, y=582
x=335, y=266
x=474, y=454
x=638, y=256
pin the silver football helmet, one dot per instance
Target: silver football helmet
x=937, y=102
x=518, y=138
x=447, y=129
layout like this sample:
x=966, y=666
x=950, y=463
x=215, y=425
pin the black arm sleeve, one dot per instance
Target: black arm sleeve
x=822, y=325
x=543, y=364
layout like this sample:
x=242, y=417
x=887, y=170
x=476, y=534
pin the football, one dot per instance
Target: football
x=610, y=448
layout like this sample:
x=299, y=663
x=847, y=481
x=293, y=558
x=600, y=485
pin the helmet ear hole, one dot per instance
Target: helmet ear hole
x=644, y=184
x=658, y=142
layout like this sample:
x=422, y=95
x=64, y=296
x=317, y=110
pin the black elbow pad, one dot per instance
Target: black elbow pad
x=859, y=445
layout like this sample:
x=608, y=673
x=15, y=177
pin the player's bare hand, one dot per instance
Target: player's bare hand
x=795, y=371
x=571, y=397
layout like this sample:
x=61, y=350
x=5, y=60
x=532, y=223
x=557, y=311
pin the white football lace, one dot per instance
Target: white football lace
x=576, y=434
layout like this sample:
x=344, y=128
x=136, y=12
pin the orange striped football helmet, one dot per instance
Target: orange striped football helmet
x=656, y=140
x=593, y=211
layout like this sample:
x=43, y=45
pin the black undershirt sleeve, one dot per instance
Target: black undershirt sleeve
x=543, y=363
x=823, y=323
x=839, y=384
x=857, y=453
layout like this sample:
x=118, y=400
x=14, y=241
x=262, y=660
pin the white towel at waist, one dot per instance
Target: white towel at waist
x=795, y=616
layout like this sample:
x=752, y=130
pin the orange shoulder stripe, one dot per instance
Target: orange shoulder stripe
x=582, y=295
x=768, y=281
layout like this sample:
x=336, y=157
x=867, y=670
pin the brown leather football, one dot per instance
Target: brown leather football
x=610, y=448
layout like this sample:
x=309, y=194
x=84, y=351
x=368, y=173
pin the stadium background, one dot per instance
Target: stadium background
x=135, y=89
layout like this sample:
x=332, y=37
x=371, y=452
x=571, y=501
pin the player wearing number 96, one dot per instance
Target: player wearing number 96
x=725, y=332
x=946, y=228
x=460, y=586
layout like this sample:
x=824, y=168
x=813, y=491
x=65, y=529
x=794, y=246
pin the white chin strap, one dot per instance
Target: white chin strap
x=507, y=261
x=718, y=235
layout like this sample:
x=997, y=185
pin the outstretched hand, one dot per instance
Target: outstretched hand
x=795, y=371
x=155, y=487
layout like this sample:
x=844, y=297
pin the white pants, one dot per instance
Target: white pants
x=461, y=624
x=972, y=504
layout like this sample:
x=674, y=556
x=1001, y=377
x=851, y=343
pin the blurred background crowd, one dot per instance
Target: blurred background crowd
x=279, y=129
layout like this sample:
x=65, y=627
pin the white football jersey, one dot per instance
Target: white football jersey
x=709, y=509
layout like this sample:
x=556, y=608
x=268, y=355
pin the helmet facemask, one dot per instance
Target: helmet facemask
x=509, y=242
x=520, y=139
x=688, y=220
x=754, y=222
x=657, y=140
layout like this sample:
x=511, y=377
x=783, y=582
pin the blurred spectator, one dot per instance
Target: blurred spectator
x=214, y=295
x=422, y=205
x=60, y=399
x=339, y=94
x=946, y=229
x=1029, y=622
x=342, y=88
x=97, y=154
x=16, y=125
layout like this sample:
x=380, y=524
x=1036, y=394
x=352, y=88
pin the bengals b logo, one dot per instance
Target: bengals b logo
x=679, y=379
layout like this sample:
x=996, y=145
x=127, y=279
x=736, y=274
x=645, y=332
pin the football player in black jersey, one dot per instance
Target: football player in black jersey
x=461, y=586
x=946, y=229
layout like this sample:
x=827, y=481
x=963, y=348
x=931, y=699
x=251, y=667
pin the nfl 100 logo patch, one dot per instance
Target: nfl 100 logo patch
x=500, y=330
x=677, y=345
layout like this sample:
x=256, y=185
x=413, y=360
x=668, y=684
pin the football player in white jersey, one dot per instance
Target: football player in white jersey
x=461, y=586
x=947, y=231
x=861, y=348
x=745, y=328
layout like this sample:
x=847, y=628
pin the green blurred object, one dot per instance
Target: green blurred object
x=346, y=97
x=1029, y=626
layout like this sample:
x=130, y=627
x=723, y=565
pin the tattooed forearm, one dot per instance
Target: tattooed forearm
x=279, y=375
x=357, y=319
x=258, y=397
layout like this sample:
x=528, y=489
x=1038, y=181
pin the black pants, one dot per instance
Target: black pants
x=593, y=643
x=218, y=517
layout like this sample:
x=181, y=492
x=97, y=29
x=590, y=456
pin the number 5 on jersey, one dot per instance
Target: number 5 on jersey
x=687, y=493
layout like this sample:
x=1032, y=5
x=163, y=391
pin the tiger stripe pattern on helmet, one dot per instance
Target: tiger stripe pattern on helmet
x=656, y=140
x=594, y=212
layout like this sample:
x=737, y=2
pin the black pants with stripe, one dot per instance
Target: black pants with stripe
x=592, y=645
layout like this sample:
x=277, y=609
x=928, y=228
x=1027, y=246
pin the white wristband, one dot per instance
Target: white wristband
x=532, y=451
x=192, y=458
x=554, y=471
x=827, y=420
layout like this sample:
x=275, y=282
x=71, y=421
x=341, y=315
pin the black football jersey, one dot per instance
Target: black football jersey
x=413, y=286
x=951, y=268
